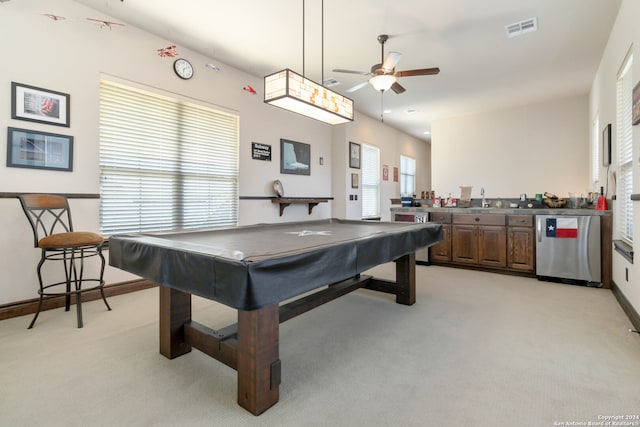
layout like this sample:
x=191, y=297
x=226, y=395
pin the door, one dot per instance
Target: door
x=464, y=244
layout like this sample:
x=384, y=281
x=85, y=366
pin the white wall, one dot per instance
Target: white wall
x=392, y=144
x=528, y=149
x=72, y=55
x=624, y=36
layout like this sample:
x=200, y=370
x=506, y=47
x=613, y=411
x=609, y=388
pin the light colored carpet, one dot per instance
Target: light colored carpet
x=477, y=349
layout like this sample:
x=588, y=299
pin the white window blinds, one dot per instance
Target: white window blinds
x=407, y=175
x=624, y=208
x=164, y=163
x=370, y=181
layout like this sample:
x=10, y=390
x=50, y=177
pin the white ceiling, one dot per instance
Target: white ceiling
x=480, y=68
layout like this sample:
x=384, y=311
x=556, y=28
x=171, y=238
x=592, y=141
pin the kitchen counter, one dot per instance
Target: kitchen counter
x=506, y=211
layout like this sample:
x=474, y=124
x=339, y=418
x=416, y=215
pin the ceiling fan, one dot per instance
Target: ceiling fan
x=383, y=76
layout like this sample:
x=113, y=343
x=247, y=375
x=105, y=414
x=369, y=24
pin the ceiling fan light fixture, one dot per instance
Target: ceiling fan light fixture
x=382, y=82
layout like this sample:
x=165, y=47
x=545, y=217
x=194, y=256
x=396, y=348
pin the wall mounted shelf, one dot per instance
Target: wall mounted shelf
x=286, y=201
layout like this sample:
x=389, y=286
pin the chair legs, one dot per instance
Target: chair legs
x=70, y=259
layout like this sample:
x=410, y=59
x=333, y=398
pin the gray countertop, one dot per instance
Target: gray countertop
x=507, y=211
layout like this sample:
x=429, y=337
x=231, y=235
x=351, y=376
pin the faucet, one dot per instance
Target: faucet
x=485, y=204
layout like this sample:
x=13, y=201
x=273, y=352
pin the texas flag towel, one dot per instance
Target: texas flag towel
x=562, y=227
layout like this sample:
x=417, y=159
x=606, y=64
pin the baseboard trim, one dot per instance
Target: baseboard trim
x=631, y=312
x=30, y=306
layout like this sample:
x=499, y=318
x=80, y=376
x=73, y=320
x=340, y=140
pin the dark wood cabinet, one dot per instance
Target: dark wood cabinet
x=479, y=239
x=464, y=244
x=521, y=246
x=493, y=241
x=441, y=252
x=492, y=246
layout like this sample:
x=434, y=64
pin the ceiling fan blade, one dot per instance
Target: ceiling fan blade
x=356, y=87
x=338, y=70
x=390, y=61
x=419, y=72
x=397, y=88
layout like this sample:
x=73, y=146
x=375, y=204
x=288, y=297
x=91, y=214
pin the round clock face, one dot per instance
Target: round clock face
x=183, y=68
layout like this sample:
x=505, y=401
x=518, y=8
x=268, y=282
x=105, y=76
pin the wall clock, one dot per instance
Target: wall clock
x=183, y=68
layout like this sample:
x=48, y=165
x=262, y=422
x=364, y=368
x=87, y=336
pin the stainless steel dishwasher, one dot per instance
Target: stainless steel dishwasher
x=568, y=249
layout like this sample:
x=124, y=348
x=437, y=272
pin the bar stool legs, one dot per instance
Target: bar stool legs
x=74, y=274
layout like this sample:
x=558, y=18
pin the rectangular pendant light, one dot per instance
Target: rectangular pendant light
x=291, y=91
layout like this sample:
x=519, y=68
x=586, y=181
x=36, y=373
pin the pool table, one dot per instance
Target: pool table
x=254, y=269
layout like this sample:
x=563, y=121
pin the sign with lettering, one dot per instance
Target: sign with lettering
x=260, y=151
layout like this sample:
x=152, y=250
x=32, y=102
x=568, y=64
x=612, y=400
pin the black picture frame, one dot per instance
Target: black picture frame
x=260, y=151
x=295, y=157
x=39, y=150
x=354, y=155
x=39, y=105
x=606, y=145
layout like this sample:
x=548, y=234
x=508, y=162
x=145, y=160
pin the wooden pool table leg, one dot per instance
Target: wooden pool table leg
x=258, y=359
x=175, y=311
x=406, y=279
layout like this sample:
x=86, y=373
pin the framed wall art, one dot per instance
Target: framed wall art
x=295, y=157
x=39, y=150
x=354, y=180
x=354, y=155
x=35, y=104
x=606, y=145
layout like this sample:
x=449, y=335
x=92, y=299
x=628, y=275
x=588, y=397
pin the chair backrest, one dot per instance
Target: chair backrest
x=47, y=214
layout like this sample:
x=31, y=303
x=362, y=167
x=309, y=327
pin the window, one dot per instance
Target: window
x=164, y=163
x=407, y=175
x=595, y=150
x=624, y=208
x=370, y=181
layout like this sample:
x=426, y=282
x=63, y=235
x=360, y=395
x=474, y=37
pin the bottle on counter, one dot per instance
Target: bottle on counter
x=601, y=204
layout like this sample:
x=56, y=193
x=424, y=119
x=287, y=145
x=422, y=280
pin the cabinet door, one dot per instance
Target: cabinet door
x=521, y=249
x=492, y=246
x=442, y=251
x=464, y=244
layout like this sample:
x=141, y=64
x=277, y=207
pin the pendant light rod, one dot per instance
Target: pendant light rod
x=294, y=92
x=303, y=33
x=322, y=42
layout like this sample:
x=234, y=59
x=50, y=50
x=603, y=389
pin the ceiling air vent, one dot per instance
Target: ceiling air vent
x=522, y=27
x=330, y=82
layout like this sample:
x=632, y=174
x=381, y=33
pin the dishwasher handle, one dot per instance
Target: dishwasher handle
x=539, y=228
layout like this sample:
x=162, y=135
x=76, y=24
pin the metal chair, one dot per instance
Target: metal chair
x=50, y=219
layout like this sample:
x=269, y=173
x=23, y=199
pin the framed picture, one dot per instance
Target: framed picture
x=635, y=105
x=354, y=155
x=354, y=180
x=260, y=151
x=295, y=157
x=606, y=145
x=35, y=104
x=385, y=172
x=39, y=150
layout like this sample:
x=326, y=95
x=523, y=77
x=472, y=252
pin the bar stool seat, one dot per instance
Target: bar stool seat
x=50, y=219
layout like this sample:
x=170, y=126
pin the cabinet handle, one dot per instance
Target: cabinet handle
x=477, y=219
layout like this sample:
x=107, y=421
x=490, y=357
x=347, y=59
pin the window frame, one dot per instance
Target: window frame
x=370, y=181
x=166, y=162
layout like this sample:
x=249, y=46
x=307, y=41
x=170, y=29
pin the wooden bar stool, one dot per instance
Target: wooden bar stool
x=50, y=219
